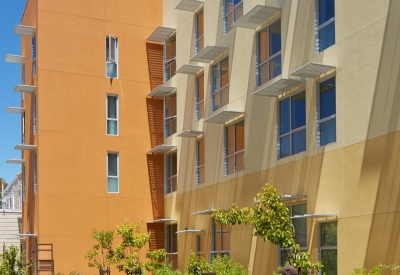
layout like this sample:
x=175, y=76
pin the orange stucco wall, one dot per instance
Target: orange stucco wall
x=71, y=118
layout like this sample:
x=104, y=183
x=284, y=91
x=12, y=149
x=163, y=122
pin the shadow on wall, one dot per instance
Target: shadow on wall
x=155, y=164
x=382, y=155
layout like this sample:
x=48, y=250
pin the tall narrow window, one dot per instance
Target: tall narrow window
x=201, y=246
x=292, y=125
x=112, y=115
x=171, y=170
x=328, y=247
x=33, y=56
x=112, y=57
x=199, y=34
x=269, y=61
x=169, y=58
x=22, y=79
x=233, y=10
x=23, y=128
x=34, y=113
x=325, y=19
x=35, y=172
x=234, y=148
x=23, y=183
x=200, y=162
x=172, y=244
x=220, y=91
x=300, y=229
x=221, y=238
x=200, y=97
x=169, y=115
x=112, y=172
x=326, y=133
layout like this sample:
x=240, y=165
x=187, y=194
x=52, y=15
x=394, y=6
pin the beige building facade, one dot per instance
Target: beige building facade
x=303, y=95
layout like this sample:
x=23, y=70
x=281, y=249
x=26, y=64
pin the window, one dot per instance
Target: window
x=34, y=172
x=34, y=113
x=326, y=133
x=292, y=125
x=112, y=115
x=220, y=91
x=112, y=57
x=169, y=58
x=171, y=244
x=169, y=115
x=201, y=246
x=23, y=128
x=220, y=240
x=23, y=183
x=328, y=247
x=199, y=33
x=33, y=56
x=199, y=97
x=269, y=61
x=22, y=79
x=233, y=10
x=300, y=229
x=171, y=170
x=200, y=161
x=112, y=173
x=325, y=18
x=234, y=148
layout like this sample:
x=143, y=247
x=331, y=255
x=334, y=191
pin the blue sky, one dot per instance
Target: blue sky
x=9, y=76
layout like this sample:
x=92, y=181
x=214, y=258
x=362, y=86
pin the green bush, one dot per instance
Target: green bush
x=224, y=265
x=197, y=265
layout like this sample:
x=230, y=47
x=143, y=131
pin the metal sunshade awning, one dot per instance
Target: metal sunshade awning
x=315, y=215
x=256, y=16
x=12, y=58
x=277, y=87
x=209, y=54
x=191, y=231
x=291, y=197
x=190, y=69
x=223, y=117
x=163, y=221
x=15, y=161
x=161, y=91
x=24, y=88
x=160, y=34
x=15, y=110
x=189, y=5
x=312, y=70
x=190, y=134
x=28, y=147
x=204, y=212
x=163, y=148
x=24, y=30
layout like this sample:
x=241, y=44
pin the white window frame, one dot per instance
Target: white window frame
x=34, y=113
x=34, y=55
x=197, y=96
x=320, y=121
x=281, y=249
x=109, y=60
x=219, y=89
x=270, y=58
x=170, y=122
x=117, y=114
x=226, y=156
x=171, y=232
x=109, y=176
x=35, y=173
x=319, y=27
x=291, y=131
x=168, y=65
x=320, y=247
x=169, y=177
x=199, y=166
x=198, y=38
x=226, y=14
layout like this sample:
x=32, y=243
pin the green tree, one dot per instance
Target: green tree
x=197, y=265
x=271, y=221
x=12, y=262
x=102, y=254
x=127, y=254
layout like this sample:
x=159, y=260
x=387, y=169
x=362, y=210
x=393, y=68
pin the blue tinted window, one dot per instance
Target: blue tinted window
x=237, y=1
x=33, y=48
x=326, y=10
x=276, y=66
x=327, y=98
x=299, y=142
x=284, y=116
x=298, y=110
x=275, y=37
x=284, y=146
x=327, y=132
x=327, y=36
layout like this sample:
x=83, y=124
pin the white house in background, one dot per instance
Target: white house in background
x=12, y=195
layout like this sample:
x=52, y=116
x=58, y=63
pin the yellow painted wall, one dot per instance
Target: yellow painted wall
x=71, y=140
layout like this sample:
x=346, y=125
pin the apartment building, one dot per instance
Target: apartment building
x=85, y=131
x=303, y=95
